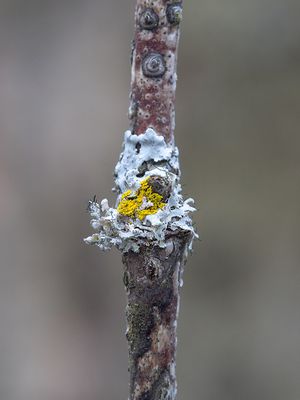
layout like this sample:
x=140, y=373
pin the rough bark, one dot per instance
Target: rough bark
x=152, y=276
x=152, y=279
x=154, y=61
x=150, y=225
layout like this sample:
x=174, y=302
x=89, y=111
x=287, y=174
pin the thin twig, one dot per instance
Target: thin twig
x=151, y=224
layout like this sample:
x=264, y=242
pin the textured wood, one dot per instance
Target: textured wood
x=153, y=98
x=152, y=280
x=152, y=276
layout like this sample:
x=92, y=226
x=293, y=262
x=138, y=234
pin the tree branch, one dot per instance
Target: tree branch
x=150, y=224
x=154, y=62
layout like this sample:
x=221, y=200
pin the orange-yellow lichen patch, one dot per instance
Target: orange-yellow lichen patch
x=141, y=203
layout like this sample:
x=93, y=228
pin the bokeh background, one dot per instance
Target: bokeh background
x=64, y=83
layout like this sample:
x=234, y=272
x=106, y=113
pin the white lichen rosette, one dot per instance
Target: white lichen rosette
x=142, y=156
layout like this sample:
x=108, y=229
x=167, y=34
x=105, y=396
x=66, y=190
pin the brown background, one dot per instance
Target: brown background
x=64, y=82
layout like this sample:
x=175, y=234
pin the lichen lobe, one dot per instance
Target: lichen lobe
x=149, y=205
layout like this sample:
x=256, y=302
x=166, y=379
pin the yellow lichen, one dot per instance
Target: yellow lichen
x=141, y=203
x=125, y=194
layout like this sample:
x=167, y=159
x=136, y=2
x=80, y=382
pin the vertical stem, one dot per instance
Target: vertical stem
x=154, y=62
x=151, y=223
x=152, y=276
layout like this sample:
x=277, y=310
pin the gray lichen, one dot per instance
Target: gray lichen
x=143, y=156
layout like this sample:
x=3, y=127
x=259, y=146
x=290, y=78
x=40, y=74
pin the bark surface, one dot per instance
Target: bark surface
x=152, y=277
x=154, y=63
x=151, y=222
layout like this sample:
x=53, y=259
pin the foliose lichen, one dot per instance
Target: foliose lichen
x=141, y=203
x=144, y=214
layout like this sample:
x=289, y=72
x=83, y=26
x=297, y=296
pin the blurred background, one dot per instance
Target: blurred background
x=64, y=84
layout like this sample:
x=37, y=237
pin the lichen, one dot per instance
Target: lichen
x=142, y=215
x=141, y=203
x=140, y=323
